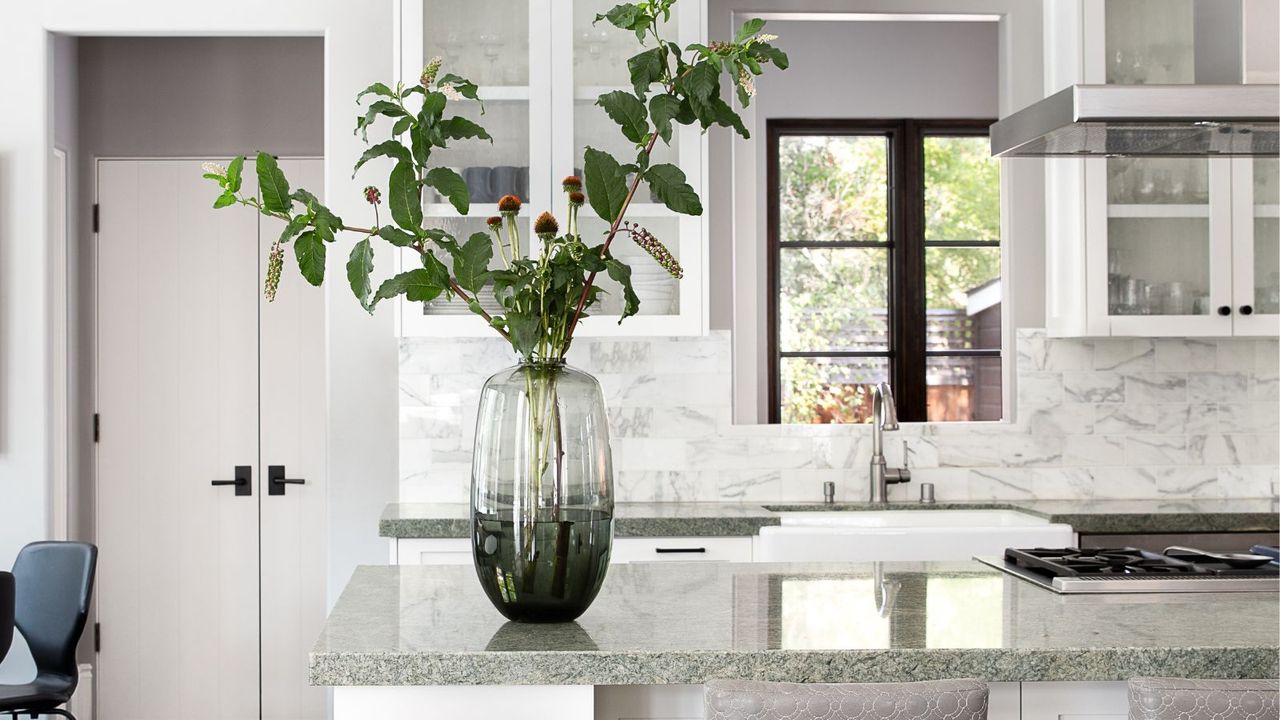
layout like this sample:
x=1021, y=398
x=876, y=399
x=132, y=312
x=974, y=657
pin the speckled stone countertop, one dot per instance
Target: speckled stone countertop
x=675, y=623
x=715, y=519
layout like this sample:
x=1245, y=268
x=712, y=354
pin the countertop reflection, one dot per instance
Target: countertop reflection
x=688, y=622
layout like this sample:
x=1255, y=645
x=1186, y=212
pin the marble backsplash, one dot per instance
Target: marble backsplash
x=1098, y=418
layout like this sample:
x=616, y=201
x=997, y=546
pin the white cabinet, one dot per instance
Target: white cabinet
x=540, y=66
x=457, y=551
x=1153, y=246
x=1075, y=701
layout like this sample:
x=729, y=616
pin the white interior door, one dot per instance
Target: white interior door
x=293, y=437
x=177, y=379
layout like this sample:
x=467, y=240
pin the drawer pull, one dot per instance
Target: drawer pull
x=663, y=550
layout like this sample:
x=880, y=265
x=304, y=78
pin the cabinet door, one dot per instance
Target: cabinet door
x=593, y=62
x=1159, y=234
x=1075, y=701
x=1255, y=199
x=504, y=47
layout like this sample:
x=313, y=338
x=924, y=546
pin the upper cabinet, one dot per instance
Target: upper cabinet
x=1156, y=246
x=540, y=65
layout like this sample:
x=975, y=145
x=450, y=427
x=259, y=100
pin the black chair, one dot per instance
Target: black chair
x=6, y=613
x=54, y=581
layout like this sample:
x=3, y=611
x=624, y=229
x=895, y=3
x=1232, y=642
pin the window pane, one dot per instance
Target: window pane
x=833, y=188
x=963, y=388
x=829, y=390
x=833, y=299
x=961, y=189
x=962, y=294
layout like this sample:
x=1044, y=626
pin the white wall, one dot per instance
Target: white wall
x=361, y=350
x=738, y=214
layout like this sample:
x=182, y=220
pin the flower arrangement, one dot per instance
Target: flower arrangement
x=544, y=297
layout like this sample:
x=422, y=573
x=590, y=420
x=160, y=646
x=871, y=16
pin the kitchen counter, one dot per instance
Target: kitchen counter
x=717, y=519
x=677, y=623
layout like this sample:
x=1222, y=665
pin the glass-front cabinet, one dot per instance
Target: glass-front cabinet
x=540, y=65
x=1256, y=211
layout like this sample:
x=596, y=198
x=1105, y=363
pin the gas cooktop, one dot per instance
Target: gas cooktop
x=1131, y=570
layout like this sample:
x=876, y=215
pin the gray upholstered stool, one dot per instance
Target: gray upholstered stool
x=939, y=700
x=1175, y=699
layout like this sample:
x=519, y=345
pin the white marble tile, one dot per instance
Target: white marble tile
x=650, y=454
x=1093, y=450
x=1000, y=483
x=429, y=422
x=1152, y=387
x=1124, y=354
x=1251, y=417
x=1093, y=387
x=1185, y=355
x=1234, y=449
x=1069, y=419
x=703, y=355
x=630, y=422
x=1039, y=389
x=749, y=485
x=1237, y=355
x=1217, y=387
x=1063, y=483
x=1155, y=450
x=618, y=356
x=1248, y=481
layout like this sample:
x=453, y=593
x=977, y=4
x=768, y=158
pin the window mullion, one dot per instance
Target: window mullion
x=907, y=235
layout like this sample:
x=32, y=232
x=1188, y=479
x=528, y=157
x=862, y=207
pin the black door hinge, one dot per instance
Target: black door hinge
x=95, y=217
x=96, y=427
x=97, y=637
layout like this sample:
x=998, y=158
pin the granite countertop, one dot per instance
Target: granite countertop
x=719, y=519
x=669, y=623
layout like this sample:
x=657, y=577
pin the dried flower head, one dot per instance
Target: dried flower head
x=372, y=195
x=430, y=71
x=720, y=47
x=275, y=264
x=571, y=183
x=546, y=225
x=494, y=221
x=451, y=93
x=656, y=250
x=214, y=169
x=576, y=198
x=748, y=85
x=509, y=204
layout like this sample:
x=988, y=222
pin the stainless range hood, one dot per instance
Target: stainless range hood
x=1144, y=120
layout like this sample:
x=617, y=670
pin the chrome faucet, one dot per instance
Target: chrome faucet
x=884, y=416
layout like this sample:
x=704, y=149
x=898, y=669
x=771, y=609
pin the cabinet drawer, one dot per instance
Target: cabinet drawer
x=682, y=549
x=433, y=551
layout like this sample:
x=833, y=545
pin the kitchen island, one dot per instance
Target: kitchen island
x=423, y=641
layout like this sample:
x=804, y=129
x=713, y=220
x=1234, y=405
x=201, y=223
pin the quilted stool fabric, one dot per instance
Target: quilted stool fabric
x=934, y=700
x=1176, y=699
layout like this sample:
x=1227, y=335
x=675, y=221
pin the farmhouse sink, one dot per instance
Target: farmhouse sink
x=912, y=535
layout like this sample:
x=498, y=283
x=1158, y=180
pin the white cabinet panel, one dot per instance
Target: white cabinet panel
x=1075, y=701
x=682, y=549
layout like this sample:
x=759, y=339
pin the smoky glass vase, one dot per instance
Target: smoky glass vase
x=541, y=492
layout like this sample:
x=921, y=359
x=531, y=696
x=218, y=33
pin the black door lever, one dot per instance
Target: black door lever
x=243, y=482
x=276, y=480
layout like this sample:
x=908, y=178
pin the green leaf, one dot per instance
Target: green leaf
x=436, y=270
x=420, y=141
x=749, y=28
x=294, y=226
x=404, y=197
x=662, y=109
x=376, y=89
x=416, y=285
x=606, y=184
x=309, y=250
x=225, y=199
x=396, y=236
x=235, y=172
x=646, y=69
x=325, y=221
x=628, y=111
x=432, y=108
x=387, y=148
x=272, y=184
x=621, y=274
x=668, y=183
x=359, y=266
x=451, y=185
x=378, y=107
x=460, y=128
x=726, y=117
x=401, y=125
x=627, y=16
x=465, y=87
x=768, y=53
x=523, y=331
x=700, y=82
x=471, y=262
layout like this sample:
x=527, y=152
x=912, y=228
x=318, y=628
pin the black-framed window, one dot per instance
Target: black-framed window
x=883, y=264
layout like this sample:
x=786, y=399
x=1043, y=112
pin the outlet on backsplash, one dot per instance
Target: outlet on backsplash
x=1106, y=418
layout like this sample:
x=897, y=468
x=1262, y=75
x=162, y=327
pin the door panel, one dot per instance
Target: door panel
x=293, y=435
x=177, y=393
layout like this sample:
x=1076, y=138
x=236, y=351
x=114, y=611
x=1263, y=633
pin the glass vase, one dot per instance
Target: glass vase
x=541, y=492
